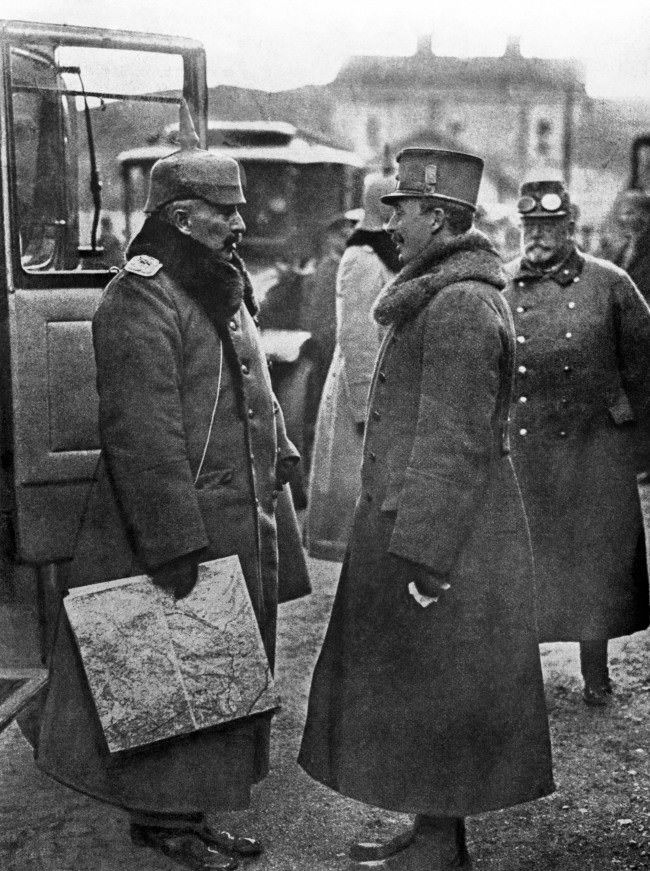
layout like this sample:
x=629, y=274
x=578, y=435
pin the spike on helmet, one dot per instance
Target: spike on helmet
x=193, y=173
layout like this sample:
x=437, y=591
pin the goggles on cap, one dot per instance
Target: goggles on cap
x=550, y=203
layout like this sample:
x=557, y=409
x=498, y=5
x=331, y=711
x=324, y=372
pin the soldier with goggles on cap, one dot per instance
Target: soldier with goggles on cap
x=580, y=433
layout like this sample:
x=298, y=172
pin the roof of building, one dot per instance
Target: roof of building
x=430, y=70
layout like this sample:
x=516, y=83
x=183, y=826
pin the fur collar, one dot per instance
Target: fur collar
x=467, y=257
x=217, y=285
x=380, y=242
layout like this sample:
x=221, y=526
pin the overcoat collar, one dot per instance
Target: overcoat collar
x=217, y=285
x=563, y=274
x=467, y=257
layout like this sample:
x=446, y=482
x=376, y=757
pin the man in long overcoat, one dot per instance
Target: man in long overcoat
x=193, y=457
x=581, y=432
x=369, y=260
x=427, y=697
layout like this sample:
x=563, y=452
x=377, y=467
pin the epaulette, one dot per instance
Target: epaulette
x=144, y=265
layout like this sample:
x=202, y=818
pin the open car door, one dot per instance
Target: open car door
x=72, y=99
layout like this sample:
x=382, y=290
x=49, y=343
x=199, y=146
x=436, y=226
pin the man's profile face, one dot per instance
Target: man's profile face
x=544, y=240
x=410, y=228
x=219, y=228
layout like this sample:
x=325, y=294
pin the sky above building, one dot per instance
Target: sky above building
x=278, y=44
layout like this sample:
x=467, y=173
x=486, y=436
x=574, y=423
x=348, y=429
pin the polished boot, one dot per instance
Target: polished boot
x=438, y=845
x=593, y=665
x=188, y=850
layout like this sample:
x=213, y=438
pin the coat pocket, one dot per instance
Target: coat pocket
x=215, y=478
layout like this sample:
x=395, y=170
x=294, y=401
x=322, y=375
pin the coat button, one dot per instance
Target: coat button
x=521, y=284
x=382, y=375
x=251, y=413
x=568, y=335
x=523, y=431
x=562, y=433
x=571, y=304
x=376, y=415
x=521, y=309
x=233, y=325
x=567, y=369
x=245, y=368
x=521, y=339
x=522, y=370
x=523, y=399
x=576, y=279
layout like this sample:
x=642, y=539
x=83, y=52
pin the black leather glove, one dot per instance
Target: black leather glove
x=178, y=576
x=284, y=470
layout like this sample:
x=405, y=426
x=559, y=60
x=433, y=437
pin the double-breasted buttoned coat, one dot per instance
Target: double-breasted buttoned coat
x=336, y=460
x=436, y=710
x=160, y=361
x=580, y=433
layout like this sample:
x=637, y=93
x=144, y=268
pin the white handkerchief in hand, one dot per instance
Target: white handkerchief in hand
x=424, y=601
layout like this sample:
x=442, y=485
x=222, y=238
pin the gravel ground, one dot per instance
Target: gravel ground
x=598, y=819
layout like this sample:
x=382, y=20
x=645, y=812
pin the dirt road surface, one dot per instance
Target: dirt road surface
x=598, y=820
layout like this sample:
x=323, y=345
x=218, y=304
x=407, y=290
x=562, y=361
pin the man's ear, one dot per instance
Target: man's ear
x=180, y=218
x=437, y=219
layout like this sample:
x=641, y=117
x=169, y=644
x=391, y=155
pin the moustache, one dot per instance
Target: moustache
x=232, y=240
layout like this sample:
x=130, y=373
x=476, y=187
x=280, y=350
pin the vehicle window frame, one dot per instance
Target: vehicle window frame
x=18, y=277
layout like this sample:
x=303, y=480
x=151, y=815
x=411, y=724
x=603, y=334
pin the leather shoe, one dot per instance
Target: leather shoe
x=186, y=849
x=226, y=842
x=376, y=851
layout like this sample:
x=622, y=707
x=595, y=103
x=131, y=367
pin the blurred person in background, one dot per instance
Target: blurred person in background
x=369, y=261
x=633, y=216
x=580, y=432
x=319, y=319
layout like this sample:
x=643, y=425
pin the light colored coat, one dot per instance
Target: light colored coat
x=336, y=461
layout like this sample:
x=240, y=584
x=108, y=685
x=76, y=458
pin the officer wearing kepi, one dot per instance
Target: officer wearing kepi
x=427, y=697
x=194, y=454
x=580, y=434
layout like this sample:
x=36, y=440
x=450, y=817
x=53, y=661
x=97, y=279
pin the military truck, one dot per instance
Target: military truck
x=58, y=83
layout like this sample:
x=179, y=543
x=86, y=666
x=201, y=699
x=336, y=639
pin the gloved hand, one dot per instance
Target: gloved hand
x=284, y=469
x=427, y=586
x=178, y=576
